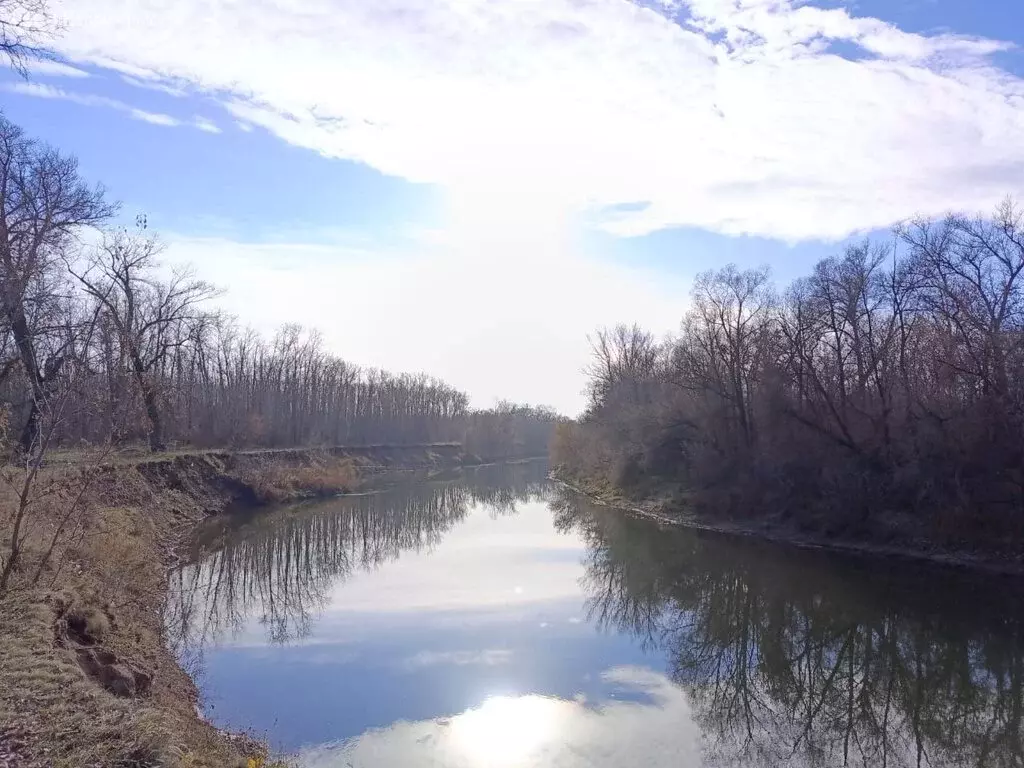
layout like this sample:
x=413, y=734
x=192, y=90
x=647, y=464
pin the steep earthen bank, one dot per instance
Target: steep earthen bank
x=85, y=677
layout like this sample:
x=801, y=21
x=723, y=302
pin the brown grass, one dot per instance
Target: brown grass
x=322, y=476
x=92, y=622
x=86, y=679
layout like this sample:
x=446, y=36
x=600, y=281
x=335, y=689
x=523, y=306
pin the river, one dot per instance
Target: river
x=495, y=619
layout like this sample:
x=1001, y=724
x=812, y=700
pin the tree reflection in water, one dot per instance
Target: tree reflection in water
x=785, y=657
x=281, y=566
x=807, y=659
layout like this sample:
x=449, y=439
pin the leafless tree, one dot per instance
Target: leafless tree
x=44, y=206
x=622, y=357
x=971, y=272
x=33, y=484
x=726, y=335
x=153, y=316
x=883, y=393
x=159, y=364
x=25, y=28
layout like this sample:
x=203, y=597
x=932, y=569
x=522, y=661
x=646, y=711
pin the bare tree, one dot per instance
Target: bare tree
x=160, y=366
x=44, y=205
x=726, y=331
x=153, y=316
x=622, y=356
x=885, y=390
x=972, y=271
x=36, y=486
x=25, y=27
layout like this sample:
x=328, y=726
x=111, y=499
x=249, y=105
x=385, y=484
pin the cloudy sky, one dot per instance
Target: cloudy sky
x=468, y=187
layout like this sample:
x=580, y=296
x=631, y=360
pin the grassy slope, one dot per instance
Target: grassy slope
x=85, y=679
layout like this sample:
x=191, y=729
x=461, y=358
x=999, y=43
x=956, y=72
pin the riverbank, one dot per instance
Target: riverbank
x=672, y=508
x=85, y=676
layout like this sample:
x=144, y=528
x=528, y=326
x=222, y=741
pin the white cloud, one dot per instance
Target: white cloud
x=534, y=116
x=777, y=29
x=205, y=124
x=154, y=118
x=732, y=115
x=154, y=85
x=55, y=69
x=43, y=91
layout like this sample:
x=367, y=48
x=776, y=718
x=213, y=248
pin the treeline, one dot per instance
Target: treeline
x=101, y=343
x=882, y=395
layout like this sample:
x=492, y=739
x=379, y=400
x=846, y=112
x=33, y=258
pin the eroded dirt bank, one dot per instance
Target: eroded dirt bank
x=85, y=677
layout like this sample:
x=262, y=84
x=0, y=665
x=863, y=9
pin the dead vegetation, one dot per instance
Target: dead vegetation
x=86, y=675
x=86, y=678
x=879, y=399
x=319, y=474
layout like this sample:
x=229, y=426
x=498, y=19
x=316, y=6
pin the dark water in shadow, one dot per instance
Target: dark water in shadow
x=496, y=620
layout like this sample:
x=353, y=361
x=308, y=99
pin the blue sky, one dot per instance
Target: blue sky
x=467, y=188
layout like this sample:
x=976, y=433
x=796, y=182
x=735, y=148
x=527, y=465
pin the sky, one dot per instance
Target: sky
x=469, y=187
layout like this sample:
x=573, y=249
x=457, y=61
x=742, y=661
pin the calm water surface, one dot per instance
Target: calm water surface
x=496, y=620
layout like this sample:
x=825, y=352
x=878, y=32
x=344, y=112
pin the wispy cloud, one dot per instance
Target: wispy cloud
x=204, y=124
x=44, y=91
x=153, y=118
x=90, y=100
x=49, y=68
x=779, y=29
x=740, y=116
x=154, y=85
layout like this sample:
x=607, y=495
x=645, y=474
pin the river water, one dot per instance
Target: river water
x=493, y=619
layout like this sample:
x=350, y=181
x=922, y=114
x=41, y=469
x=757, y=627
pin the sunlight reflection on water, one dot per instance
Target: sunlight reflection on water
x=654, y=729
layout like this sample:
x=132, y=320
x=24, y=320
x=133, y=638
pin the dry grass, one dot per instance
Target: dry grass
x=93, y=623
x=85, y=676
x=322, y=476
x=56, y=715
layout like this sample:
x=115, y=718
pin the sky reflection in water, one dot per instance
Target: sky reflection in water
x=494, y=620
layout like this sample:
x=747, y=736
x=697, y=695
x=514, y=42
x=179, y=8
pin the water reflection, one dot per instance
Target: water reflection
x=792, y=658
x=491, y=620
x=536, y=731
x=282, y=567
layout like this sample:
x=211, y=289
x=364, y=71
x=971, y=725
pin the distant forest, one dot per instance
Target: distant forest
x=881, y=396
x=101, y=343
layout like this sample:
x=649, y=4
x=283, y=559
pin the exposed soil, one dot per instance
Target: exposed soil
x=85, y=677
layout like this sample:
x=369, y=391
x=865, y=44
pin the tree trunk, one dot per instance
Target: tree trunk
x=27, y=353
x=149, y=399
x=156, y=431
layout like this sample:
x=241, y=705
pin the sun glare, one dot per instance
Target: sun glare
x=506, y=730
